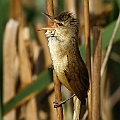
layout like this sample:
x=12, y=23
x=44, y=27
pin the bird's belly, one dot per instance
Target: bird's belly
x=64, y=81
x=60, y=65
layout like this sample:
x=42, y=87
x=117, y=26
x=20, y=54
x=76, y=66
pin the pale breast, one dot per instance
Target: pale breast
x=58, y=55
x=60, y=62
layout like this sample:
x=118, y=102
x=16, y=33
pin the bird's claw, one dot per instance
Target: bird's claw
x=57, y=104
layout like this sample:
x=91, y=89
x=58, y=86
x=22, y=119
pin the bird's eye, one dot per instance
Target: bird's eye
x=60, y=24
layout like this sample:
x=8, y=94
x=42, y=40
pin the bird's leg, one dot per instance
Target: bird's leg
x=58, y=104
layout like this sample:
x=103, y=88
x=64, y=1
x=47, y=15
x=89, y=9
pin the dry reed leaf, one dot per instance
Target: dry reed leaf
x=25, y=67
x=43, y=42
x=10, y=67
x=77, y=107
x=46, y=109
x=26, y=74
x=37, y=59
x=31, y=110
x=38, y=66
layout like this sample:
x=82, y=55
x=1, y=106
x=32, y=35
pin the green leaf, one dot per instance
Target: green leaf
x=106, y=36
x=118, y=3
x=38, y=85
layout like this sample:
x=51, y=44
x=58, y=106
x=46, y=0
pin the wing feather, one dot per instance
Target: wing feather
x=77, y=74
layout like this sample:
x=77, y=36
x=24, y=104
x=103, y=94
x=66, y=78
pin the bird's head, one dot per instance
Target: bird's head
x=64, y=24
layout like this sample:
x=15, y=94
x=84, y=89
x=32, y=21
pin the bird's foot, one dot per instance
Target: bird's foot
x=59, y=104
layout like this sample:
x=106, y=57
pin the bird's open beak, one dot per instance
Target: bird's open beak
x=47, y=15
x=49, y=27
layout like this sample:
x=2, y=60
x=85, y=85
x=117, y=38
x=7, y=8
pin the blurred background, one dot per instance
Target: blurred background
x=26, y=85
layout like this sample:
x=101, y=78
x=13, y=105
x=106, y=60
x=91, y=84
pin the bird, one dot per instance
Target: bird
x=64, y=50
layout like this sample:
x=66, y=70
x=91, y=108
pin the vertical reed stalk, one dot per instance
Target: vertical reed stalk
x=57, y=86
x=96, y=77
x=88, y=52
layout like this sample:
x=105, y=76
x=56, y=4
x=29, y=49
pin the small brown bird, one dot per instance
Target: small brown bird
x=67, y=61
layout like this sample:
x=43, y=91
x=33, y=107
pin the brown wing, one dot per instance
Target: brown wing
x=77, y=74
